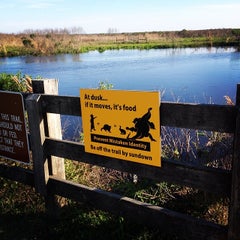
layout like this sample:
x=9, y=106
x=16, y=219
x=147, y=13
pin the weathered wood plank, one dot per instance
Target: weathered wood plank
x=199, y=116
x=18, y=174
x=153, y=216
x=209, y=117
x=207, y=179
x=62, y=105
x=53, y=123
x=234, y=216
x=37, y=137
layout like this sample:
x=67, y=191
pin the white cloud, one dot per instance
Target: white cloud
x=40, y=4
x=223, y=6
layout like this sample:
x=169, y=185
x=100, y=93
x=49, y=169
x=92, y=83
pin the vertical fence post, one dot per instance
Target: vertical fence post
x=54, y=130
x=37, y=136
x=234, y=215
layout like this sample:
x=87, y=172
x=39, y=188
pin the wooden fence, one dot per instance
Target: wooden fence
x=48, y=175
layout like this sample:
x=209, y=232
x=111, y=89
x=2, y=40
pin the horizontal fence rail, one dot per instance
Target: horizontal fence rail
x=208, y=117
x=18, y=174
x=207, y=179
x=139, y=212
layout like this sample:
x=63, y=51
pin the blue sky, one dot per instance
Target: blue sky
x=123, y=15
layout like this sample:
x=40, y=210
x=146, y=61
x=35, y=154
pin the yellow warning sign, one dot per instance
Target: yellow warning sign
x=122, y=124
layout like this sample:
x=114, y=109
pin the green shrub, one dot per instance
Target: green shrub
x=32, y=35
x=27, y=42
x=236, y=32
x=16, y=83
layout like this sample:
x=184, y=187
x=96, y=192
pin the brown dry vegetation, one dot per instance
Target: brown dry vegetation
x=50, y=42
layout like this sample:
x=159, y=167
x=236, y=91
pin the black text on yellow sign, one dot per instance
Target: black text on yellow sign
x=122, y=124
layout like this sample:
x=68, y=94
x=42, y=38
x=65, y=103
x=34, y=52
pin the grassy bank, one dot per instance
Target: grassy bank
x=52, y=43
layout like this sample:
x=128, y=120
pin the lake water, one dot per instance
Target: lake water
x=199, y=75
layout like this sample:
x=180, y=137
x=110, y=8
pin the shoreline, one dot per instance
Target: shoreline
x=40, y=44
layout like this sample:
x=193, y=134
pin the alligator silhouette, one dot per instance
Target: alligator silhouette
x=142, y=127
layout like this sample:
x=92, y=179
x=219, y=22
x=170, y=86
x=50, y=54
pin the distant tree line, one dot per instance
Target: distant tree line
x=69, y=30
x=112, y=30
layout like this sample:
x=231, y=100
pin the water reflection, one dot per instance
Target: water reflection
x=44, y=59
x=53, y=58
x=76, y=58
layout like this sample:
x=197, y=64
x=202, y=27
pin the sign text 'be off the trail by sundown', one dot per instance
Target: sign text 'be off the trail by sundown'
x=13, y=135
x=122, y=124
